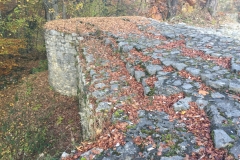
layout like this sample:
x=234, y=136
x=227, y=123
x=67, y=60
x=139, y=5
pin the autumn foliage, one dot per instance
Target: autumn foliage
x=11, y=46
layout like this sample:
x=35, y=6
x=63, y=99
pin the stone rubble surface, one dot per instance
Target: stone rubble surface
x=220, y=105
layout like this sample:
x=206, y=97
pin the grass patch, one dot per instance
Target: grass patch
x=42, y=66
x=151, y=92
x=118, y=113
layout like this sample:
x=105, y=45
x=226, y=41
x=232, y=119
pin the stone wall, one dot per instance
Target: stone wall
x=62, y=59
x=120, y=78
x=66, y=75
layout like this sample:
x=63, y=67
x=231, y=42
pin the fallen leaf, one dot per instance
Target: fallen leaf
x=183, y=112
x=98, y=131
x=202, y=92
x=187, y=157
x=159, y=153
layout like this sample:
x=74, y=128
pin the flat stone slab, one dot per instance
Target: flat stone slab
x=235, y=150
x=167, y=90
x=221, y=139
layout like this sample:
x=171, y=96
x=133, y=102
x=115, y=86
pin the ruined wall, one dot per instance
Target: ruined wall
x=122, y=76
x=62, y=59
x=66, y=76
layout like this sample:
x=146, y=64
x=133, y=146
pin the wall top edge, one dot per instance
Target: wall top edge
x=85, y=25
x=60, y=33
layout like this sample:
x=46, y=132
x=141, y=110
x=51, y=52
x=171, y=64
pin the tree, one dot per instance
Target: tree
x=211, y=6
x=172, y=8
x=51, y=9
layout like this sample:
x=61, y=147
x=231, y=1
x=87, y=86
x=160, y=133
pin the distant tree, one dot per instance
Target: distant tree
x=172, y=8
x=51, y=9
x=211, y=6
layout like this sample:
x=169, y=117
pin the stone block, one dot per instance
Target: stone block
x=221, y=139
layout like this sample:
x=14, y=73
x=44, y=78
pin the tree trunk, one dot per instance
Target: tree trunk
x=55, y=9
x=51, y=9
x=172, y=8
x=64, y=13
x=211, y=6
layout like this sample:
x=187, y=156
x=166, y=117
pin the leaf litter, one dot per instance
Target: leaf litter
x=196, y=120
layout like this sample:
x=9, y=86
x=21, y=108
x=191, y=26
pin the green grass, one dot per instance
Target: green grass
x=42, y=66
x=151, y=92
x=118, y=113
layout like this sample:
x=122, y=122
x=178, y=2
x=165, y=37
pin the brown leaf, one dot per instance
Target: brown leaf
x=202, y=92
x=187, y=157
x=159, y=153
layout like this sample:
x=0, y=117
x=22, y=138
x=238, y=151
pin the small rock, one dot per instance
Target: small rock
x=193, y=71
x=130, y=148
x=187, y=86
x=235, y=67
x=99, y=94
x=121, y=44
x=179, y=66
x=54, y=32
x=92, y=72
x=141, y=113
x=160, y=82
x=169, y=34
x=139, y=75
x=114, y=87
x=217, y=120
x=89, y=58
x=64, y=155
x=234, y=86
x=238, y=132
x=80, y=38
x=182, y=104
x=218, y=84
x=221, y=139
x=175, y=52
x=127, y=48
x=91, y=152
x=107, y=41
x=139, y=47
x=146, y=90
x=183, y=146
x=235, y=150
x=201, y=103
x=130, y=69
x=217, y=95
x=99, y=85
x=166, y=90
x=161, y=73
x=216, y=68
x=177, y=83
x=172, y=158
x=207, y=76
x=152, y=69
x=232, y=113
x=168, y=62
x=103, y=106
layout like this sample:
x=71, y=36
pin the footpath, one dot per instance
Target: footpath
x=173, y=90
